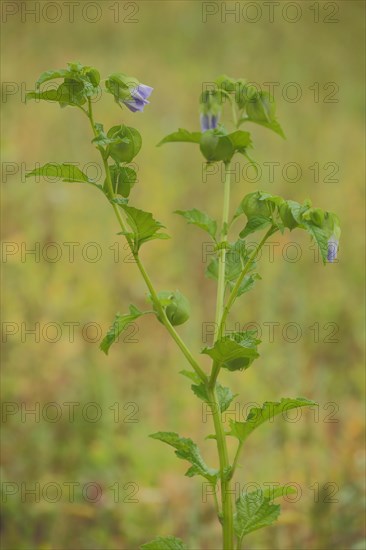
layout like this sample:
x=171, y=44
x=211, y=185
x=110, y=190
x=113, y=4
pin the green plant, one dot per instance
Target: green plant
x=234, y=265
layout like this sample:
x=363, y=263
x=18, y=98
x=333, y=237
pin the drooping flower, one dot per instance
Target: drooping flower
x=332, y=249
x=210, y=107
x=209, y=121
x=138, y=98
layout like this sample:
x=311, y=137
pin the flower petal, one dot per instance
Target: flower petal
x=332, y=249
x=144, y=90
x=205, y=122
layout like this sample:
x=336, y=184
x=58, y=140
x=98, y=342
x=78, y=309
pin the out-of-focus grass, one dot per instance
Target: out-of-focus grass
x=172, y=50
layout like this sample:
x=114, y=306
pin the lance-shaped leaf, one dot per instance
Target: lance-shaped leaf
x=235, y=352
x=165, y=543
x=255, y=510
x=224, y=395
x=188, y=450
x=144, y=227
x=258, y=415
x=182, y=135
x=119, y=324
x=66, y=172
x=201, y=219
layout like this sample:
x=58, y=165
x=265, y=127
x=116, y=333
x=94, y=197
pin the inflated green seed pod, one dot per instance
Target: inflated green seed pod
x=216, y=146
x=176, y=306
x=127, y=149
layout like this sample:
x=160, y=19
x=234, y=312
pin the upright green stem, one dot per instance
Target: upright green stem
x=226, y=497
x=222, y=252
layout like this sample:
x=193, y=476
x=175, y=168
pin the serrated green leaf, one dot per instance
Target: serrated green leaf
x=200, y=219
x=253, y=511
x=165, y=543
x=66, y=172
x=258, y=415
x=234, y=352
x=144, y=227
x=80, y=82
x=224, y=395
x=182, y=136
x=188, y=450
x=51, y=75
x=119, y=324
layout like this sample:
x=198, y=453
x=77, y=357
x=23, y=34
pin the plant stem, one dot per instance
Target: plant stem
x=226, y=498
x=222, y=253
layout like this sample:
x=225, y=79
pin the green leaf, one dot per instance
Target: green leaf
x=66, y=172
x=320, y=237
x=80, y=82
x=188, y=450
x=182, y=136
x=48, y=95
x=165, y=543
x=144, y=227
x=234, y=352
x=258, y=415
x=261, y=110
x=254, y=510
x=201, y=219
x=119, y=324
x=248, y=283
x=274, y=125
x=51, y=75
x=224, y=395
x=71, y=92
x=123, y=179
x=240, y=140
x=191, y=375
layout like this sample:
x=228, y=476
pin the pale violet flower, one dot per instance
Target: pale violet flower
x=209, y=121
x=138, y=98
x=332, y=249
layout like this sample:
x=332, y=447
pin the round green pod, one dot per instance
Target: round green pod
x=176, y=306
x=127, y=149
x=215, y=146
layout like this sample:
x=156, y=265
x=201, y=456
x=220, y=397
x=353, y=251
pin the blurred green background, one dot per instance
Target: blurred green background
x=137, y=390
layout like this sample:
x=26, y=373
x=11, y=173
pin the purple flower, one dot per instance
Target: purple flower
x=209, y=121
x=138, y=98
x=332, y=249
